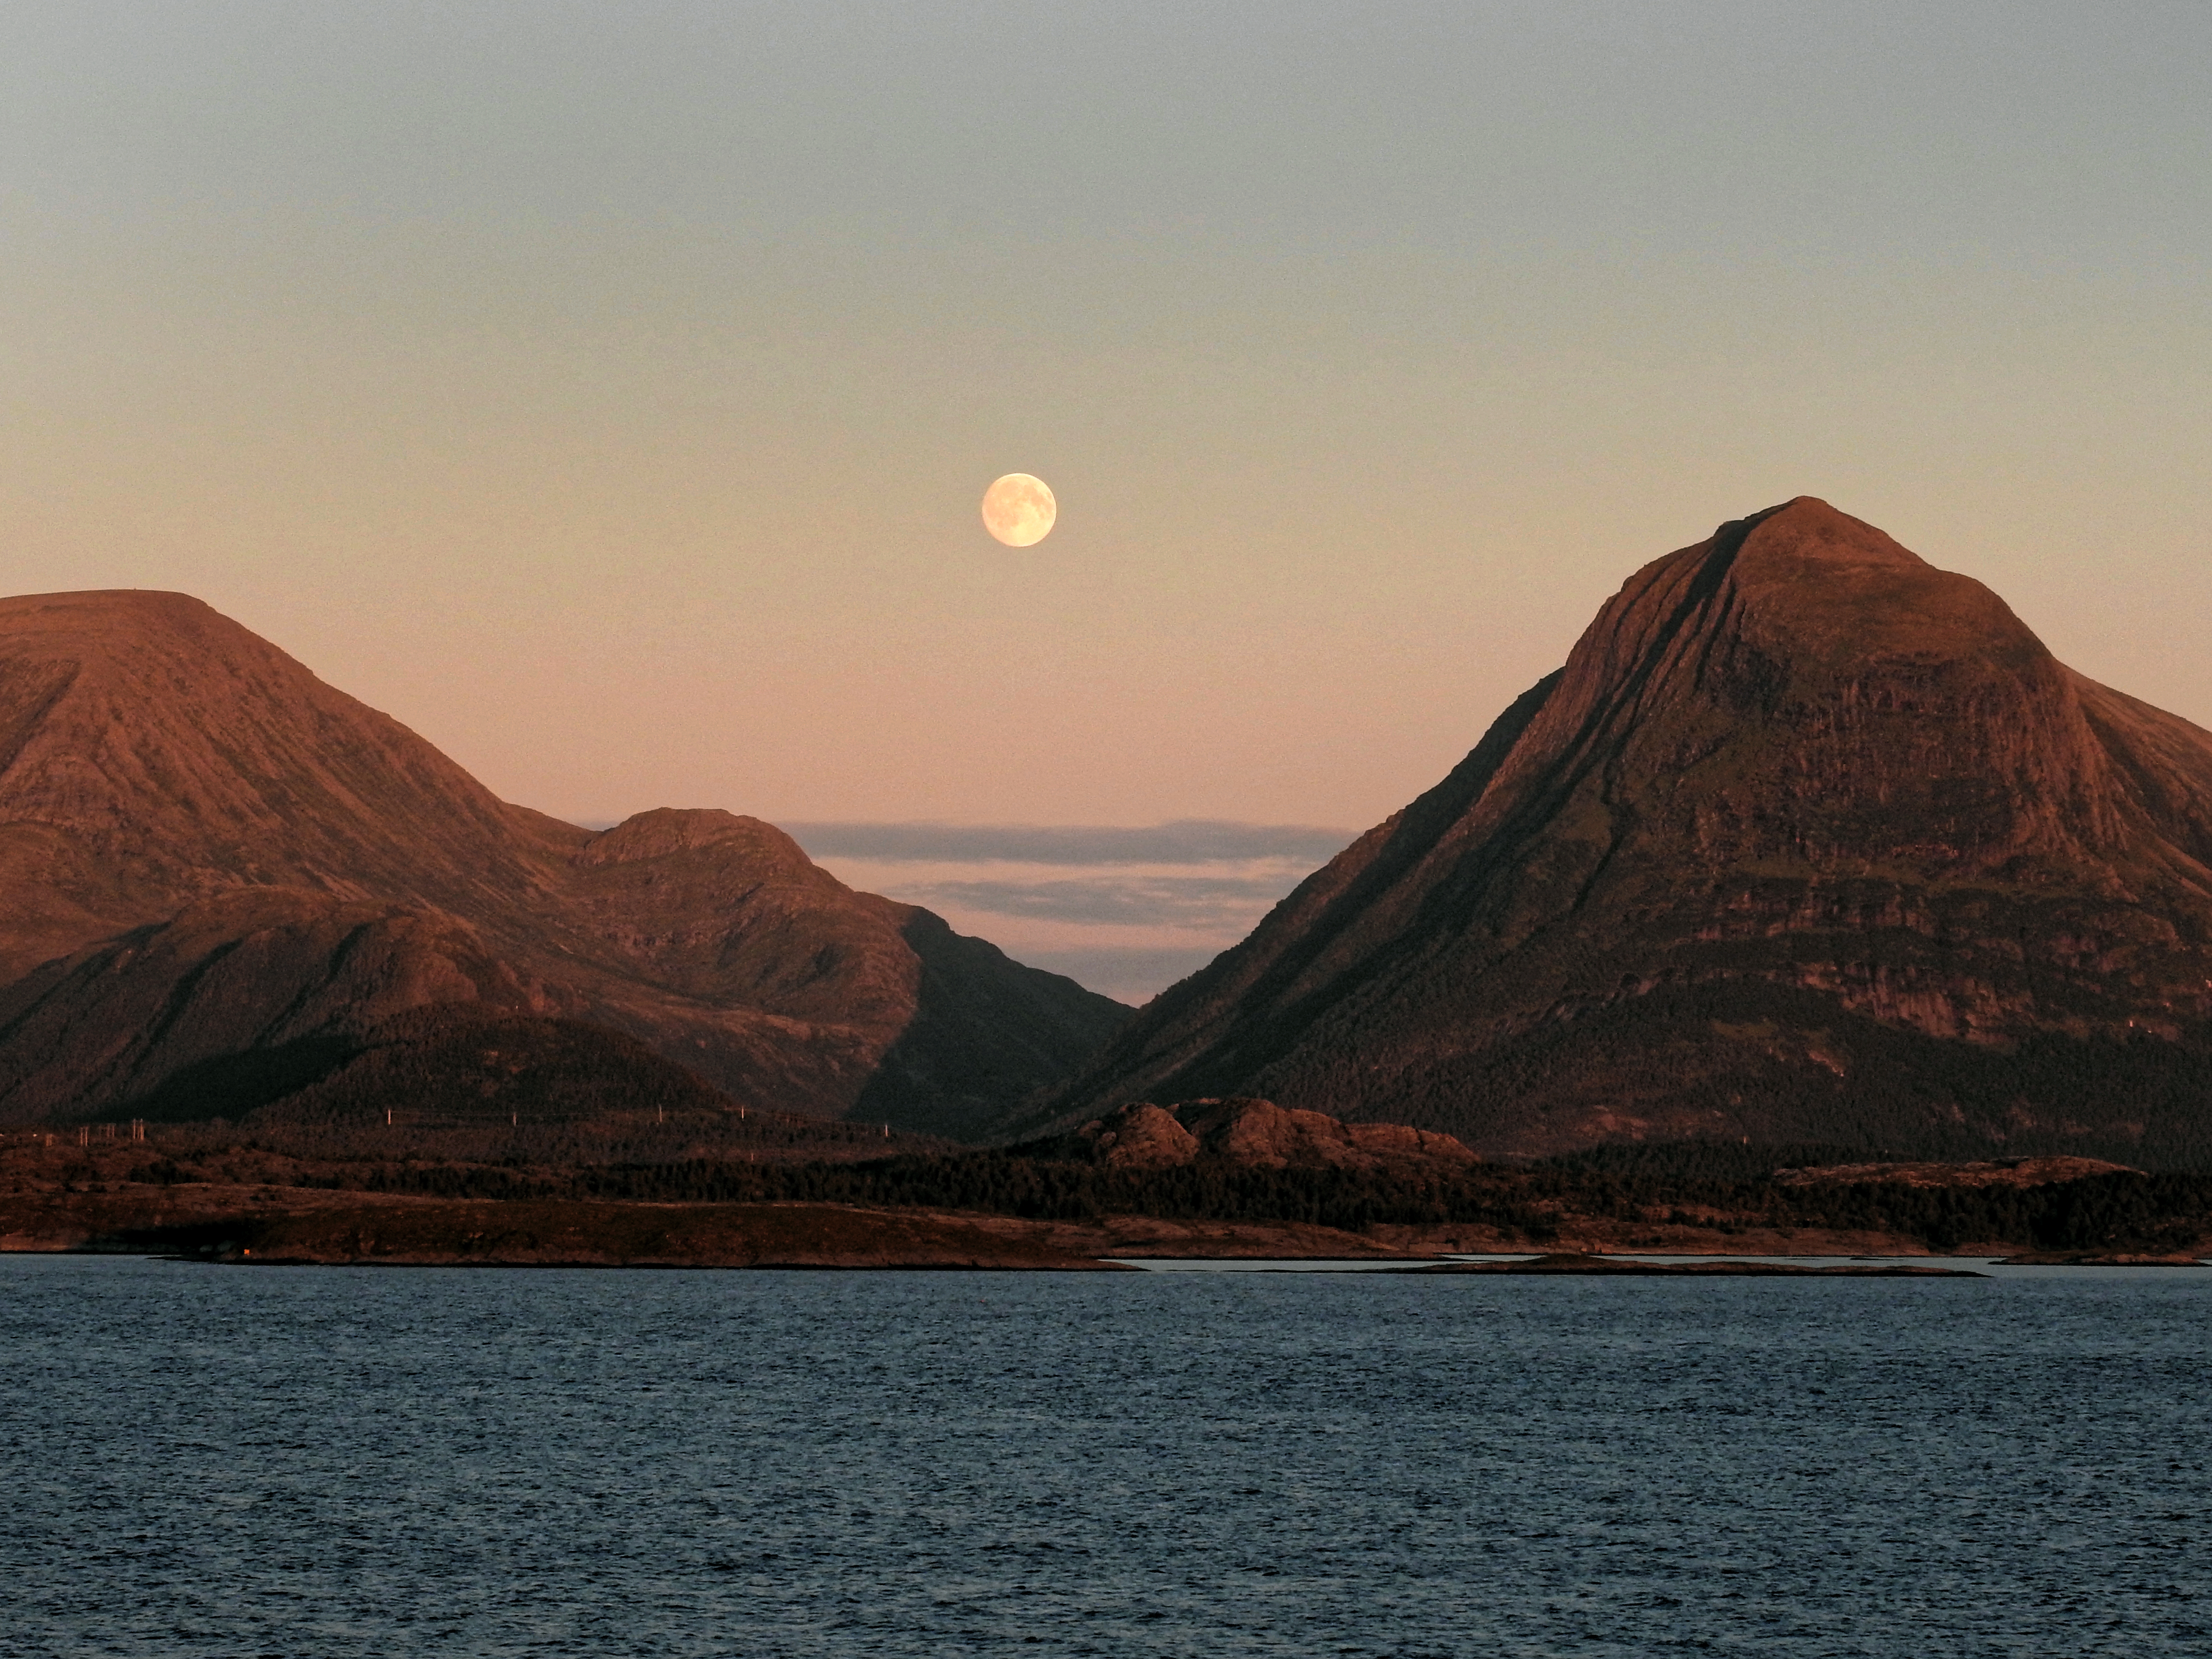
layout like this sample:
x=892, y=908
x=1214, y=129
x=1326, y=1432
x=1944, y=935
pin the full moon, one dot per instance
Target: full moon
x=1020, y=510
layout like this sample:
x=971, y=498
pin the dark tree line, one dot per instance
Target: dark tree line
x=1699, y=1183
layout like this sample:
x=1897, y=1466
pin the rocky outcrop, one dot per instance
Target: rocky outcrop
x=1139, y=1137
x=219, y=876
x=1808, y=841
x=1253, y=1134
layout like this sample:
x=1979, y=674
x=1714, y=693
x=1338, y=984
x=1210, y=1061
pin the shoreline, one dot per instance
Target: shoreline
x=287, y=1227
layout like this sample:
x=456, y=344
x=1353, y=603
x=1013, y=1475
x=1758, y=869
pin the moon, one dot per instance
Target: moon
x=1018, y=510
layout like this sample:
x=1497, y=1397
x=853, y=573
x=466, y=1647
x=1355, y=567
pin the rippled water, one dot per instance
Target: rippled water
x=204, y=1461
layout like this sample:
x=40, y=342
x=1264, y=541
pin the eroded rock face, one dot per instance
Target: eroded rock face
x=206, y=853
x=1253, y=1134
x=1808, y=841
x=1263, y=1135
x=1139, y=1137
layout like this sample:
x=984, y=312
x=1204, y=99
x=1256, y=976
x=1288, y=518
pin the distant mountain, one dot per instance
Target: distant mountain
x=219, y=876
x=1808, y=841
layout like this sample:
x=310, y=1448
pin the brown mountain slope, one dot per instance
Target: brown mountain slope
x=207, y=854
x=1808, y=841
x=153, y=751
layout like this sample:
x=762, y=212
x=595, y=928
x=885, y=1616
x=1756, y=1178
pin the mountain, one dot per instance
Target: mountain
x=1809, y=841
x=219, y=876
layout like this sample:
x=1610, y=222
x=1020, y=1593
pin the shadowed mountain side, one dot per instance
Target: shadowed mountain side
x=458, y=1064
x=244, y=997
x=1807, y=837
x=267, y=971
x=206, y=854
x=730, y=910
x=985, y=1031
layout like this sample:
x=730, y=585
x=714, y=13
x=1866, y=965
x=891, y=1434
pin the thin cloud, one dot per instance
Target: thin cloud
x=1187, y=841
x=1150, y=901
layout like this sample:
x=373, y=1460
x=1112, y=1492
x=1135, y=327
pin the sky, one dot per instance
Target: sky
x=606, y=391
x=1127, y=911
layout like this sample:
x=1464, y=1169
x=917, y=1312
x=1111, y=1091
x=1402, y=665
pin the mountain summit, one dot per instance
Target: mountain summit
x=1808, y=841
x=220, y=878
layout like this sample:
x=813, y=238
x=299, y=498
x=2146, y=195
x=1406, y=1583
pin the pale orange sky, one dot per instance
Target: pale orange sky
x=607, y=392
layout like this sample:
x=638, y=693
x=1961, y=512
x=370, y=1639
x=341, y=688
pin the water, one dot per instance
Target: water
x=204, y=1461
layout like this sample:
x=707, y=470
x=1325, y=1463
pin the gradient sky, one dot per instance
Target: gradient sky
x=606, y=390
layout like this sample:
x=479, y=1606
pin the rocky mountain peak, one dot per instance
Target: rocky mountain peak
x=1798, y=801
x=665, y=831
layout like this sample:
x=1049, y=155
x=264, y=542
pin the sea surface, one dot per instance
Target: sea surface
x=212, y=1461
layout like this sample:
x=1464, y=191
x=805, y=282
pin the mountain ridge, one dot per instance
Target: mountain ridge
x=184, y=807
x=1803, y=820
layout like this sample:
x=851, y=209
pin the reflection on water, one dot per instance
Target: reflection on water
x=1210, y=1264
x=1994, y=1266
x=203, y=1460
